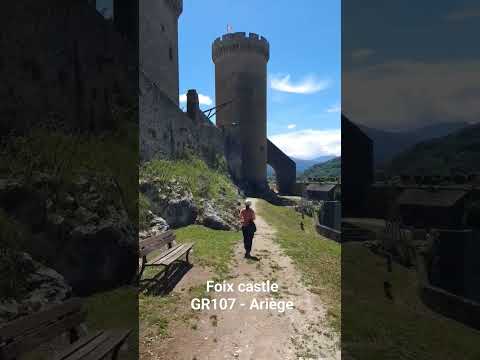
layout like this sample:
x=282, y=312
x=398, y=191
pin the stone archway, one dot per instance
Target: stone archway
x=285, y=168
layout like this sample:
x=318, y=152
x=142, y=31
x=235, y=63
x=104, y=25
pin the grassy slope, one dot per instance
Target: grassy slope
x=375, y=328
x=317, y=258
x=192, y=174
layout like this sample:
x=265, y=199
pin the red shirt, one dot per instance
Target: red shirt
x=247, y=216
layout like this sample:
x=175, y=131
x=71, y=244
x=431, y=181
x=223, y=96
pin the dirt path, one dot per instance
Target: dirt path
x=300, y=333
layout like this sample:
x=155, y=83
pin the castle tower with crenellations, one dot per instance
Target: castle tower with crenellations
x=241, y=78
x=159, y=43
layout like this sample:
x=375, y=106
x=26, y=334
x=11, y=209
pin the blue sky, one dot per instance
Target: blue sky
x=304, y=68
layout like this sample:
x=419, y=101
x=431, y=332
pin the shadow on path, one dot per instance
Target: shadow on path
x=158, y=285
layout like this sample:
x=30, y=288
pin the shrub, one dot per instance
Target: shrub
x=14, y=273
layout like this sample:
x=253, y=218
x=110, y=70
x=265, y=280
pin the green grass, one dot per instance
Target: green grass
x=157, y=312
x=317, y=258
x=376, y=328
x=213, y=248
x=193, y=174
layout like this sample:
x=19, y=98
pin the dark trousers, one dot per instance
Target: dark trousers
x=247, y=238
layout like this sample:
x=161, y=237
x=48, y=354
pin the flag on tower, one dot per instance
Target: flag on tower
x=229, y=28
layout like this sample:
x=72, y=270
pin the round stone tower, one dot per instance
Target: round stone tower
x=241, y=78
x=159, y=43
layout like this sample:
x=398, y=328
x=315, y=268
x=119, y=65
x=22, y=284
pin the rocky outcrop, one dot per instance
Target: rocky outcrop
x=173, y=202
x=216, y=217
x=79, y=228
x=170, y=201
x=180, y=212
x=42, y=286
x=156, y=226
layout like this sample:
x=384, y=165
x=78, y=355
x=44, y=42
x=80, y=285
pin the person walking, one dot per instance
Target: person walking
x=247, y=217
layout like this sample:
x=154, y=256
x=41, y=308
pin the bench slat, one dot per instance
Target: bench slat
x=170, y=258
x=81, y=347
x=160, y=260
x=23, y=325
x=155, y=242
x=41, y=335
x=163, y=254
x=115, y=339
x=146, y=248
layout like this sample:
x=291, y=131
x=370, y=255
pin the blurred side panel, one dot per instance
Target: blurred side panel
x=68, y=176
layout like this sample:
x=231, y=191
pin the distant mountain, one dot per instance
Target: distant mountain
x=329, y=168
x=457, y=152
x=388, y=144
x=302, y=165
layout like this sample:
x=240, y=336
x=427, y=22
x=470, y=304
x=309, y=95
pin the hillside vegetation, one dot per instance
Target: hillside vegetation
x=64, y=156
x=457, y=152
x=187, y=174
x=330, y=168
x=388, y=144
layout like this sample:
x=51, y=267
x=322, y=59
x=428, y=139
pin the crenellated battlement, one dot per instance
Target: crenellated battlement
x=240, y=41
x=176, y=6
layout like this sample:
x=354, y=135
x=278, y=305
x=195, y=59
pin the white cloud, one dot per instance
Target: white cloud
x=309, y=144
x=402, y=94
x=291, y=126
x=308, y=85
x=334, y=109
x=202, y=99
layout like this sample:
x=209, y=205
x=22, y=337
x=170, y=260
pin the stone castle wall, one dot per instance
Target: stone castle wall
x=167, y=132
x=159, y=43
x=61, y=61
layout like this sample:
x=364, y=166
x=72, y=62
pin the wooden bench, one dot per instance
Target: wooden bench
x=167, y=257
x=27, y=333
